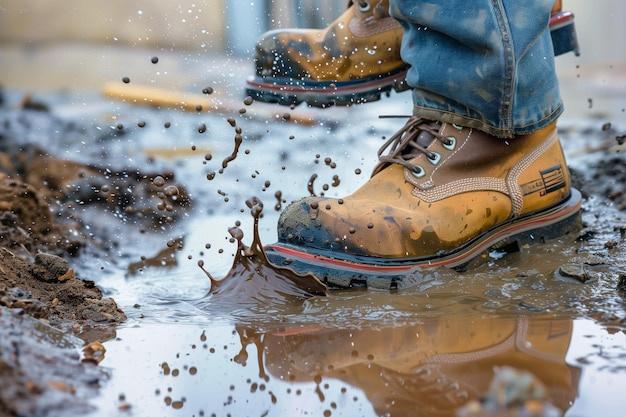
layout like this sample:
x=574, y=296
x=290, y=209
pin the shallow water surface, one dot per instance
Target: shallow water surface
x=433, y=349
x=430, y=366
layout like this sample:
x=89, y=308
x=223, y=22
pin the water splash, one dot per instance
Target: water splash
x=253, y=279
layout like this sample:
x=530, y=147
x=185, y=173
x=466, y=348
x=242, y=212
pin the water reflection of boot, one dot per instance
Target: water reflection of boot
x=432, y=368
x=354, y=60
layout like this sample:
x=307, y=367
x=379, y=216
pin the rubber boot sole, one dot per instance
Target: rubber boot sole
x=290, y=91
x=343, y=270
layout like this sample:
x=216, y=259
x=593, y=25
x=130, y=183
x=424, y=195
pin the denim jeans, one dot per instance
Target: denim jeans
x=485, y=64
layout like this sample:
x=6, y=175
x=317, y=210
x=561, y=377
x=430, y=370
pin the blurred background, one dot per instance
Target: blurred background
x=219, y=25
x=41, y=38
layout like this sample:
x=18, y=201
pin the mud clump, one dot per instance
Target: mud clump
x=44, y=304
x=40, y=283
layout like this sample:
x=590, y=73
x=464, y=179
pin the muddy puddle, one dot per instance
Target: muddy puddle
x=156, y=197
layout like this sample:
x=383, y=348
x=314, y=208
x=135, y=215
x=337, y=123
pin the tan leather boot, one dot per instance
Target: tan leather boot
x=354, y=60
x=440, y=196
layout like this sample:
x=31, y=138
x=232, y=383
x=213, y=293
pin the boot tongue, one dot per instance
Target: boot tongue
x=425, y=138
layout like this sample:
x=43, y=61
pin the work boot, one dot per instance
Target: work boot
x=354, y=60
x=441, y=195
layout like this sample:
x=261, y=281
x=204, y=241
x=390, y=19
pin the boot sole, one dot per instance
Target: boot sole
x=290, y=91
x=345, y=271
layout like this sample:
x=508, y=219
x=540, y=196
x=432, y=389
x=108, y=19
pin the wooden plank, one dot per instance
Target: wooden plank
x=159, y=97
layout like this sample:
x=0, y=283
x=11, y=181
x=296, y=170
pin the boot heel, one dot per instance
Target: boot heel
x=563, y=225
x=563, y=33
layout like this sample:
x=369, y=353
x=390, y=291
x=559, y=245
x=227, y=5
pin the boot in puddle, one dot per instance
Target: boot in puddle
x=354, y=60
x=441, y=195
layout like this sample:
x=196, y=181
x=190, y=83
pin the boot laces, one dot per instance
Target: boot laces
x=410, y=142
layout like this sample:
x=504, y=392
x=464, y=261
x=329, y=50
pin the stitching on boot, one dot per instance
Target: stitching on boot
x=515, y=339
x=461, y=186
x=512, y=179
x=362, y=29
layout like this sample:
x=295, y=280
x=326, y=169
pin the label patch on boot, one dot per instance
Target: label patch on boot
x=551, y=180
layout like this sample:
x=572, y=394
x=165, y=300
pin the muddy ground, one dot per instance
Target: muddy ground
x=47, y=311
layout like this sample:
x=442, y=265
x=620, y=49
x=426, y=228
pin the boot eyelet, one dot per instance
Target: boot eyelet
x=457, y=127
x=434, y=158
x=418, y=171
x=364, y=7
x=450, y=143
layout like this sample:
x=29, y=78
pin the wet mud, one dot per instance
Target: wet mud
x=82, y=226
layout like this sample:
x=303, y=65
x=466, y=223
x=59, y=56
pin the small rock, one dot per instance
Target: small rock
x=576, y=271
x=68, y=275
x=54, y=266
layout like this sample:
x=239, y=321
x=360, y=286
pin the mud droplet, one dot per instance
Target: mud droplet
x=207, y=90
x=370, y=225
x=125, y=80
x=167, y=125
x=310, y=183
x=231, y=121
x=357, y=171
x=606, y=126
x=202, y=128
x=119, y=126
x=199, y=107
x=279, y=201
x=248, y=100
x=171, y=190
x=154, y=59
x=141, y=124
x=228, y=159
x=242, y=111
x=166, y=368
x=158, y=181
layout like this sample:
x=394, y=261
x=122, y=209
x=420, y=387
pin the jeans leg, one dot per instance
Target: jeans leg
x=486, y=64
